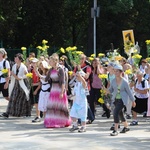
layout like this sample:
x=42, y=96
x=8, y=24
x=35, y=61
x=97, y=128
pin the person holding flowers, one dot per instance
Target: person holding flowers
x=85, y=67
x=35, y=88
x=42, y=71
x=120, y=91
x=19, y=102
x=4, y=73
x=96, y=84
x=79, y=108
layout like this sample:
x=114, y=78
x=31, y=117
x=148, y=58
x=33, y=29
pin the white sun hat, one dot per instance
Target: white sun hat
x=45, y=64
x=34, y=60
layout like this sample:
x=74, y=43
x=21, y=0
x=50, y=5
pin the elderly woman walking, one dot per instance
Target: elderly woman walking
x=141, y=94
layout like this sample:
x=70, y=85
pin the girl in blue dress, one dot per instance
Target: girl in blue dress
x=79, y=108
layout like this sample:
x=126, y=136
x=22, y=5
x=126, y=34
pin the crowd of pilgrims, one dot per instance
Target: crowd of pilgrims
x=56, y=85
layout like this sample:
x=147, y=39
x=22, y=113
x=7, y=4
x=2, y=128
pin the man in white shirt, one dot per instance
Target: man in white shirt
x=4, y=81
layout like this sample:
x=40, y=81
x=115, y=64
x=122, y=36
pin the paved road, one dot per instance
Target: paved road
x=21, y=134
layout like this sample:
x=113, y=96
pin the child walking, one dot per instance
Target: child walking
x=45, y=87
x=79, y=108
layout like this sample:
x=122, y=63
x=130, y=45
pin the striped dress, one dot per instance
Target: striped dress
x=57, y=114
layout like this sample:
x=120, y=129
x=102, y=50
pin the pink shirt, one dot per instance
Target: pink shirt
x=97, y=82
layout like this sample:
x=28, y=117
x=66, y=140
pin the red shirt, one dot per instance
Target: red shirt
x=35, y=78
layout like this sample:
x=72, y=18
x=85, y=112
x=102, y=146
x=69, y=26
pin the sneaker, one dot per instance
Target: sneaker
x=128, y=116
x=108, y=114
x=133, y=123
x=4, y=115
x=113, y=127
x=114, y=133
x=36, y=119
x=73, y=128
x=145, y=115
x=124, y=130
x=104, y=114
x=82, y=129
x=89, y=121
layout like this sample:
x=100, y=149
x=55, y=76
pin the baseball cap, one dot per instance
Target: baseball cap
x=119, y=67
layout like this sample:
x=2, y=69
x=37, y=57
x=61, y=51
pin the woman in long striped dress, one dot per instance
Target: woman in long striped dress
x=57, y=114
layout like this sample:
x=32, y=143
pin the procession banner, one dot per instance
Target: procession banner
x=128, y=38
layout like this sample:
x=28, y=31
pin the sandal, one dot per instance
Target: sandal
x=133, y=123
x=89, y=121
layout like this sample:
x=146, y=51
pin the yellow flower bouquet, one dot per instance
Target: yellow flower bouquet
x=103, y=77
x=148, y=47
x=105, y=97
x=100, y=55
x=29, y=77
x=42, y=50
x=130, y=75
x=136, y=59
x=24, y=52
x=74, y=55
x=5, y=73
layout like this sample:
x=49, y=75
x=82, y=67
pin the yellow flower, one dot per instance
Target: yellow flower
x=92, y=55
x=102, y=76
x=62, y=50
x=4, y=71
x=23, y=48
x=135, y=51
x=74, y=48
x=68, y=49
x=131, y=44
x=118, y=58
x=61, y=58
x=39, y=47
x=71, y=48
x=44, y=42
x=79, y=52
x=129, y=71
x=101, y=54
x=148, y=59
x=91, y=58
x=70, y=73
x=44, y=48
x=137, y=56
x=100, y=100
x=147, y=42
x=103, y=92
x=29, y=75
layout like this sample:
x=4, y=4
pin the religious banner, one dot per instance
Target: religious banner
x=129, y=42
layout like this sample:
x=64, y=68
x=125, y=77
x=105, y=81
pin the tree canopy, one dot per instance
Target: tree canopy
x=68, y=22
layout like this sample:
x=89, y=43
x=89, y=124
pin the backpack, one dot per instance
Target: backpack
x=11, y=63
x=142, y=82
